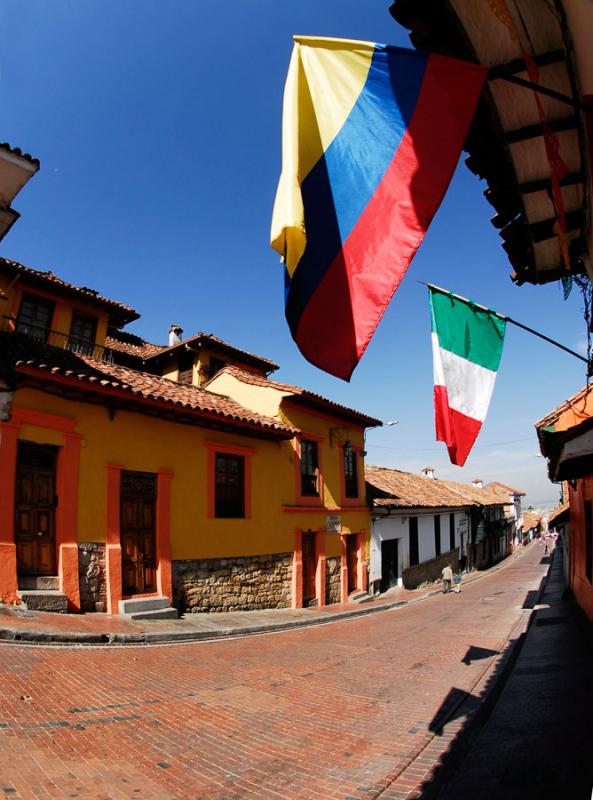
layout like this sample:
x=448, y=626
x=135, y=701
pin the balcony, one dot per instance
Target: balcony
x=64, y=341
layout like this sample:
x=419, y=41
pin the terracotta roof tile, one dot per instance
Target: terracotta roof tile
x=559, y=515
x=407, y=490
x=530, y=521
x=183, y=398
x=131, y=345
x=486, y=496
x=504, y=487
x=209, y=339
x=309, y=398
x=119, y=313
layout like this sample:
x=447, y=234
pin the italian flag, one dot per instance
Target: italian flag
x=467, y=341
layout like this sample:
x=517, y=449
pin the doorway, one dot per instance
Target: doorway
x=352, y=562
x=138, y=535
x=389, y=564
x=35, y=504
x=309, y=567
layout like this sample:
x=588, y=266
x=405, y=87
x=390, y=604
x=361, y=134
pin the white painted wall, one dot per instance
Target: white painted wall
x=397, y=526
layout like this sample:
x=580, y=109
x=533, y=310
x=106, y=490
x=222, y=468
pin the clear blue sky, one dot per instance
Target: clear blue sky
x=158, y=130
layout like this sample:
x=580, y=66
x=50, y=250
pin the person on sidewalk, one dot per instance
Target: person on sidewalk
x=457, y=583
x=447, y=576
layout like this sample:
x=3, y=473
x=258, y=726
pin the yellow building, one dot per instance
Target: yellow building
x=130, y=470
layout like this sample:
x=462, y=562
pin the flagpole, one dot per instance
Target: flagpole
x=508, y=319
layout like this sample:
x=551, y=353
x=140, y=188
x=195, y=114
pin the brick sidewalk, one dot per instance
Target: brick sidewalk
x=323, y=712
x=36, y=626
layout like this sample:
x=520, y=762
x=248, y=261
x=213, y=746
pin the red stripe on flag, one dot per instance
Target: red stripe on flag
x=455, y=429
x=341, y=316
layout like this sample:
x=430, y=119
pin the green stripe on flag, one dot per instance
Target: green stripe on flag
x=470, y=332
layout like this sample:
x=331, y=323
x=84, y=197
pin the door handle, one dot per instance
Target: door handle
x=39, y=533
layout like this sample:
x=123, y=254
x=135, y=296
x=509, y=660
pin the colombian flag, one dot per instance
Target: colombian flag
x=371, y=137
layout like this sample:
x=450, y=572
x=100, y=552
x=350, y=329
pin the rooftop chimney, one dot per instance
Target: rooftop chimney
x=175, y=334
x=428, y=472
x=478, y=483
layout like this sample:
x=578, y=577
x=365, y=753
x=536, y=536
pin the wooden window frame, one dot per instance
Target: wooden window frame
x=413, y=551
x=47, y=300
x=356, y=452
x=437, y=535
x=85, y=347
x=451, y=531
x=309, y=499
x=246, y=453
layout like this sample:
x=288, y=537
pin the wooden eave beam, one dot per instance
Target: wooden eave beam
x=545, y=184
x=518, y=64
x=537, y=130
x=540, y=231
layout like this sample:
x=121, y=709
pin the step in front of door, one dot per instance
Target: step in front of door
x=147, y=608
x=44, y=600
x=39, y=583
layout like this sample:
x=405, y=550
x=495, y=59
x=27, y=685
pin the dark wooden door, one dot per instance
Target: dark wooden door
x=309, y=567
x=389, y=570
x=352, y=560
x=35, y=503
x=138, y=501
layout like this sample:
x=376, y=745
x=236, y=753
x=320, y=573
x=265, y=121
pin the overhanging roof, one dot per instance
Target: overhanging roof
x=506, y=142
x=569, y=452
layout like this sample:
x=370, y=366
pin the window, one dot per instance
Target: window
x=309, y=469
x=82, y=333
x=451, y=531
x=350, y=471
x=186, y=366
x=437, y=535
x=215, y=365
x=34, y=317
x=413, y=541
x=229, y=486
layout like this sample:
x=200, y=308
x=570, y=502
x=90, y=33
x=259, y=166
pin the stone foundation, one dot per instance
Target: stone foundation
x=332, y=580
x=245, y=583
x=91, y=576
x=430, y=570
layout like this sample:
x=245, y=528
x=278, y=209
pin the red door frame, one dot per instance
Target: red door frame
x=361, y=575
x=67, y=471
x=113, y=552
x=297, y=568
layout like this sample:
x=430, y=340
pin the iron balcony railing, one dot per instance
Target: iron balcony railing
x=64, y=341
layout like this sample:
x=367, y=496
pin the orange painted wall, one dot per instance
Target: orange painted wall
x=581, y=586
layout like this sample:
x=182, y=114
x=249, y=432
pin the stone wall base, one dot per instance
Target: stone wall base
x=333, y=579
x=91, y=576
x=242, y=583
x=430, y=570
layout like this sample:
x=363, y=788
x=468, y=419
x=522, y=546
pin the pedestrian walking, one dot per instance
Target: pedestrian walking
x=447, y=576
x=457, y=583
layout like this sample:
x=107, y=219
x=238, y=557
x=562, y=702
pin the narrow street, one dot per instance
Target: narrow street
x=335, y=711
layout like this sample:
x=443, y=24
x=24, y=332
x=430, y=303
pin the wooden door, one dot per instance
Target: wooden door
x=35, y=503
x=309, y=567
x=389, y=568
x=138, y=534
x=352, y=561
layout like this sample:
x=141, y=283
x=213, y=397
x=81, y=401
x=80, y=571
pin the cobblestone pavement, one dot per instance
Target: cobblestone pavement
x=333, y=711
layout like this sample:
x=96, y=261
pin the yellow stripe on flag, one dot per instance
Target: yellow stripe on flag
x=325, y=78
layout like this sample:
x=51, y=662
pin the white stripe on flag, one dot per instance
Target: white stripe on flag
x=469, y=386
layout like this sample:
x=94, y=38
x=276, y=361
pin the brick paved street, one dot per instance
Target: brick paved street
x=334, y=711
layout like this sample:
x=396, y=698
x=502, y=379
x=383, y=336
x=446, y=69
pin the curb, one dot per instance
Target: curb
x=78, y=638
